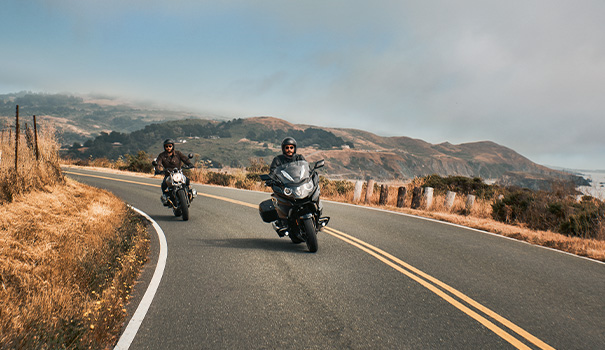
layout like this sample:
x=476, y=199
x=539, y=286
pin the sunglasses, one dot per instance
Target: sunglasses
x=289, y=147
x=168, y=146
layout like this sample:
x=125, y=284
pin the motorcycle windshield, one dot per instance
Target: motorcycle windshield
x=293, y=173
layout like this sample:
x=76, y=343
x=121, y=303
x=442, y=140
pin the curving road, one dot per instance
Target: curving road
x=379, y=280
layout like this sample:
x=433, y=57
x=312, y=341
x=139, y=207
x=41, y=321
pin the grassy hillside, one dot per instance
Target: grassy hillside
x=349, y=154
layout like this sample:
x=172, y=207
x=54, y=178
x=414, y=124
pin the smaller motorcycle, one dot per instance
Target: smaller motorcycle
x=178, y=194
x=294, y=209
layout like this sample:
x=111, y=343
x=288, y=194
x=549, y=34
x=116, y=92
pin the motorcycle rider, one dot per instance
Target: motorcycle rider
x=170, y=159
x=289, y=155
x=288, y=149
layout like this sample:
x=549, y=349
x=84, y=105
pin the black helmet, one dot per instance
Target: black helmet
x=288, y=141
x=169, y=142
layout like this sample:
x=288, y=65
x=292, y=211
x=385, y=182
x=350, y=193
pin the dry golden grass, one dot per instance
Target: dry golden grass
x=29, y=174
x=69, y=253
x=68, y=258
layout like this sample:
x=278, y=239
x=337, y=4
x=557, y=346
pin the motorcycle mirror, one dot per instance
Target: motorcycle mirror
x=319, y=164
x=190, y=155
x=154, y=163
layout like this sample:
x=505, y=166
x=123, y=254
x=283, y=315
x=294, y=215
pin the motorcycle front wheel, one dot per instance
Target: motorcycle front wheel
x=311, y=234
x=182, y=197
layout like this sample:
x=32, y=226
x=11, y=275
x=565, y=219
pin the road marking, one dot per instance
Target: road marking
x=135, y=322
x=422, y=278
x=418, y=276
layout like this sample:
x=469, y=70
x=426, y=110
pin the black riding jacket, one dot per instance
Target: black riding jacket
x=167, y=161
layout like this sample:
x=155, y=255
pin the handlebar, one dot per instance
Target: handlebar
x=165, y=171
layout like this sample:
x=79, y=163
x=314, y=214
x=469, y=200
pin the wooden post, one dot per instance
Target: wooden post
x=17, y=140
x=470, y=202
x=357, y=191
x=449, y=199
x=416, y=193
x=36, y=139
x=400, y=197
x=428, y=196
x=384, y=194
x=369, y=190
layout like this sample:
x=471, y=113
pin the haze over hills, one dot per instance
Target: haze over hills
x=108, y=128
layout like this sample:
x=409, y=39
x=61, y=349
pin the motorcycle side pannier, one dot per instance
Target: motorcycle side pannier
x=267, y=211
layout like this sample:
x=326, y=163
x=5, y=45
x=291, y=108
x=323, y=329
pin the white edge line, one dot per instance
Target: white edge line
x=135, y=322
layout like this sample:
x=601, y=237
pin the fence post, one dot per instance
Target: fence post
x=17, y=140
x=470, y=202
x=416, y=193
x=369, y=190
x=384, y=194
x=36, y=139
x=428, y=196
x=449, y=199
x=357, y=191
x=401, y=197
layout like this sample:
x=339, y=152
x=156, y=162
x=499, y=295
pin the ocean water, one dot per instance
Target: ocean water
x=597, y=187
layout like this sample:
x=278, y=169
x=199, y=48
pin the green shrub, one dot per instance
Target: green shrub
x=461, y=184
x=553, y=211
x=219, y=178
x=140, y=163
x=587, y=220
x=513, y=206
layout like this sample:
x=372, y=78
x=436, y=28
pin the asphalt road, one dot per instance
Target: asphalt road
x=380, y=280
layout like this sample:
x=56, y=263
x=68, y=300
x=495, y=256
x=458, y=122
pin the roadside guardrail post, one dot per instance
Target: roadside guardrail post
x=384, y=194
x=428, y=196
x=369, y=191
x=449, y=199
x=357, y=191
x=416, y=193
x=401, y=197
x=470, y=202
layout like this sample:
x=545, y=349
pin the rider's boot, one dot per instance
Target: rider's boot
x=281, y=227
x=164, y=199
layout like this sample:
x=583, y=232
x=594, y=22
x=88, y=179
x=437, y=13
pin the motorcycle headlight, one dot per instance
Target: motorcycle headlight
x=178, y=177
x=287, y=191
x=303, y=190
x=308, y=186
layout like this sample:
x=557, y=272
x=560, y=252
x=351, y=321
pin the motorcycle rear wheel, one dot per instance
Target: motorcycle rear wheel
x=311, y=235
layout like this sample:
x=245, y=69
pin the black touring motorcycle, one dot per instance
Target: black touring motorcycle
x=178, y=194
x=294, y=208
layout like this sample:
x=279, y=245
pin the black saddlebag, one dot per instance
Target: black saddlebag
x=267, y=211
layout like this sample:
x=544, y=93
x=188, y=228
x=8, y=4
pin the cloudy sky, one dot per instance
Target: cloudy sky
x=529, y=75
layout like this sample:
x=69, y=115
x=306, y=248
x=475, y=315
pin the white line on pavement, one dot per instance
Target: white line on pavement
x=135, y=322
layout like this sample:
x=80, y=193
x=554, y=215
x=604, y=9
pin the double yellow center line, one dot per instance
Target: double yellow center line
x=441, y=289
x=456, y=298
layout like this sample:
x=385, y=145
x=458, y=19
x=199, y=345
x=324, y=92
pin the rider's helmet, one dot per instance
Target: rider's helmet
x=169, y=142
x=288, y=141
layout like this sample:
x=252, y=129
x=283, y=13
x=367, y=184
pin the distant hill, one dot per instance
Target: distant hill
x=78, y=119
x=106, y=128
